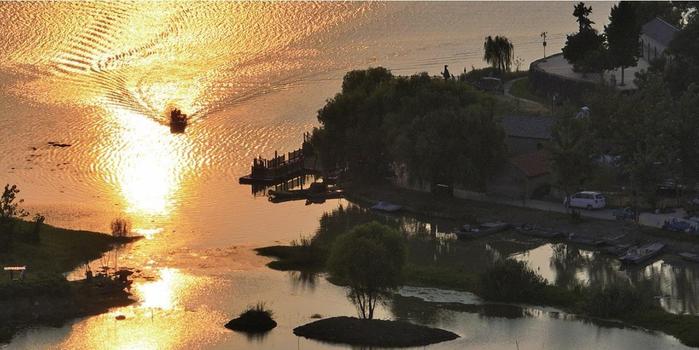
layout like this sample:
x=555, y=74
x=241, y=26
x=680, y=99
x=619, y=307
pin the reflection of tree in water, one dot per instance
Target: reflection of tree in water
x=677, y=283
x=569, y=262
x=303, y=279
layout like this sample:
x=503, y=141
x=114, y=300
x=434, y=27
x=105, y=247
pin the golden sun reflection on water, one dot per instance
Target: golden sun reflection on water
x=161, y=294
x=146, y=169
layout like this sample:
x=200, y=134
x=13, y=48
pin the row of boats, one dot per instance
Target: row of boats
x=626, y=253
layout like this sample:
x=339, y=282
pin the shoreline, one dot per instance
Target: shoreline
x=463, y=211
x=45, y=297
x=452, y=209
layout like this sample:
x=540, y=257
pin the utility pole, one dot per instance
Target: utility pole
x=543, y=36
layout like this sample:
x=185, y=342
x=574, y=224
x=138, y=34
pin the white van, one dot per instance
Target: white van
x=587, y=200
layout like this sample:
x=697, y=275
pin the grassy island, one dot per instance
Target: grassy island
x=44, y=296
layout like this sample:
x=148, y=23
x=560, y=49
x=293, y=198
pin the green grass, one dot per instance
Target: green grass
x=58, y=251
x=522, y=89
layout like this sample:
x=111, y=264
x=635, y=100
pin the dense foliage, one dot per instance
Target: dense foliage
x=369, y=259
x=438, y=130
x=510, y=280
x=617, y=300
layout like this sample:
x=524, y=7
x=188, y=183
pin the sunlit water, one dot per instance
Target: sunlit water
x=99, y=76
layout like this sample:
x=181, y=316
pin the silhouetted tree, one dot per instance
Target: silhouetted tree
x=9, y=211
x=370, y=260
x=582, y=14
x=586, y=49
x=499, y=52
x=623, y=34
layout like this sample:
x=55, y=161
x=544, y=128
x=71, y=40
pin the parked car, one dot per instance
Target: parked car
x=625, y=214
x=587, y=200
x=681, y=225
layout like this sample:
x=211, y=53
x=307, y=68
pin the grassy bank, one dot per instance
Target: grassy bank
x=44, y=296
x=521, y=88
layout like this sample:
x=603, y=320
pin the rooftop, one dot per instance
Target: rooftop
x=534, y=127
x=532, y=164
x=660, y=31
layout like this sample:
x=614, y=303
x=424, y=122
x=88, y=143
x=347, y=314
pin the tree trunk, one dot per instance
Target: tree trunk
x=622, y=76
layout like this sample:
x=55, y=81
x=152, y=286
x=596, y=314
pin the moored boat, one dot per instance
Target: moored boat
x=488, y=228
x=584, y=240
x=538, y=232
x=637, y=255
x=689, y=256
x=386, y=207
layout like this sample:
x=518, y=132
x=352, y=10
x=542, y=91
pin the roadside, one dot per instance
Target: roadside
x=518, y=91
x=478, y=208
x=646, y=219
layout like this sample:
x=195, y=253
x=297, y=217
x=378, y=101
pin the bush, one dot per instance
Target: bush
x=254, y=319
x=511, y=281
x=121, y=227
x=617, y=300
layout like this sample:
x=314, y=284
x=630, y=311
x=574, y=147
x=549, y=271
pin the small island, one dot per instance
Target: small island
x=256, y=319
x=354, y=331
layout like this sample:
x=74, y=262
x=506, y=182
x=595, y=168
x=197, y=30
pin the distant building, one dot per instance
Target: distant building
x=656, y=36
x=523, y=176
x=526, y=134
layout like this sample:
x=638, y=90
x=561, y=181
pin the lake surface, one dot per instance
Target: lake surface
x=100, y=76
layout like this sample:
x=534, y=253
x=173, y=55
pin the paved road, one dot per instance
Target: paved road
x=647, y=219
x=526, y=102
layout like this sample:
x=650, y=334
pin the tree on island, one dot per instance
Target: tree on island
x=586, y=49
x=499, y=52
x=623, y=34
x=369, y=259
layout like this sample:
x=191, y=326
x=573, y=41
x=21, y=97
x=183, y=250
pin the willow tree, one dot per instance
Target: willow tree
x=499, y=52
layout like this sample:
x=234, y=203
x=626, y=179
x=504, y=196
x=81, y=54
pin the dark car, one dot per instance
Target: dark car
x=625, y=214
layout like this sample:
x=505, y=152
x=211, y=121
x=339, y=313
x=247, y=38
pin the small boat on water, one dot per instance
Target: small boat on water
x=689, y=256
x=386, y=207
x=617, y=249
x=584, y=240
x=178, y=121
x=637, y=255
x=488, y=228
x=538, y=232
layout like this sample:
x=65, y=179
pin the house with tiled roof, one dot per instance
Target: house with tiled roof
x=656, y=36
x=526, y=134
x=525, y=175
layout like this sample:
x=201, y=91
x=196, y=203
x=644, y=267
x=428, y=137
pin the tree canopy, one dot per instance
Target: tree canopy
x=369, y=259
x=438, y=130
x=586, y=49
x=623, y=34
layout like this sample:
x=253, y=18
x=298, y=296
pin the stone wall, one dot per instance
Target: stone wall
x=550, y=84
